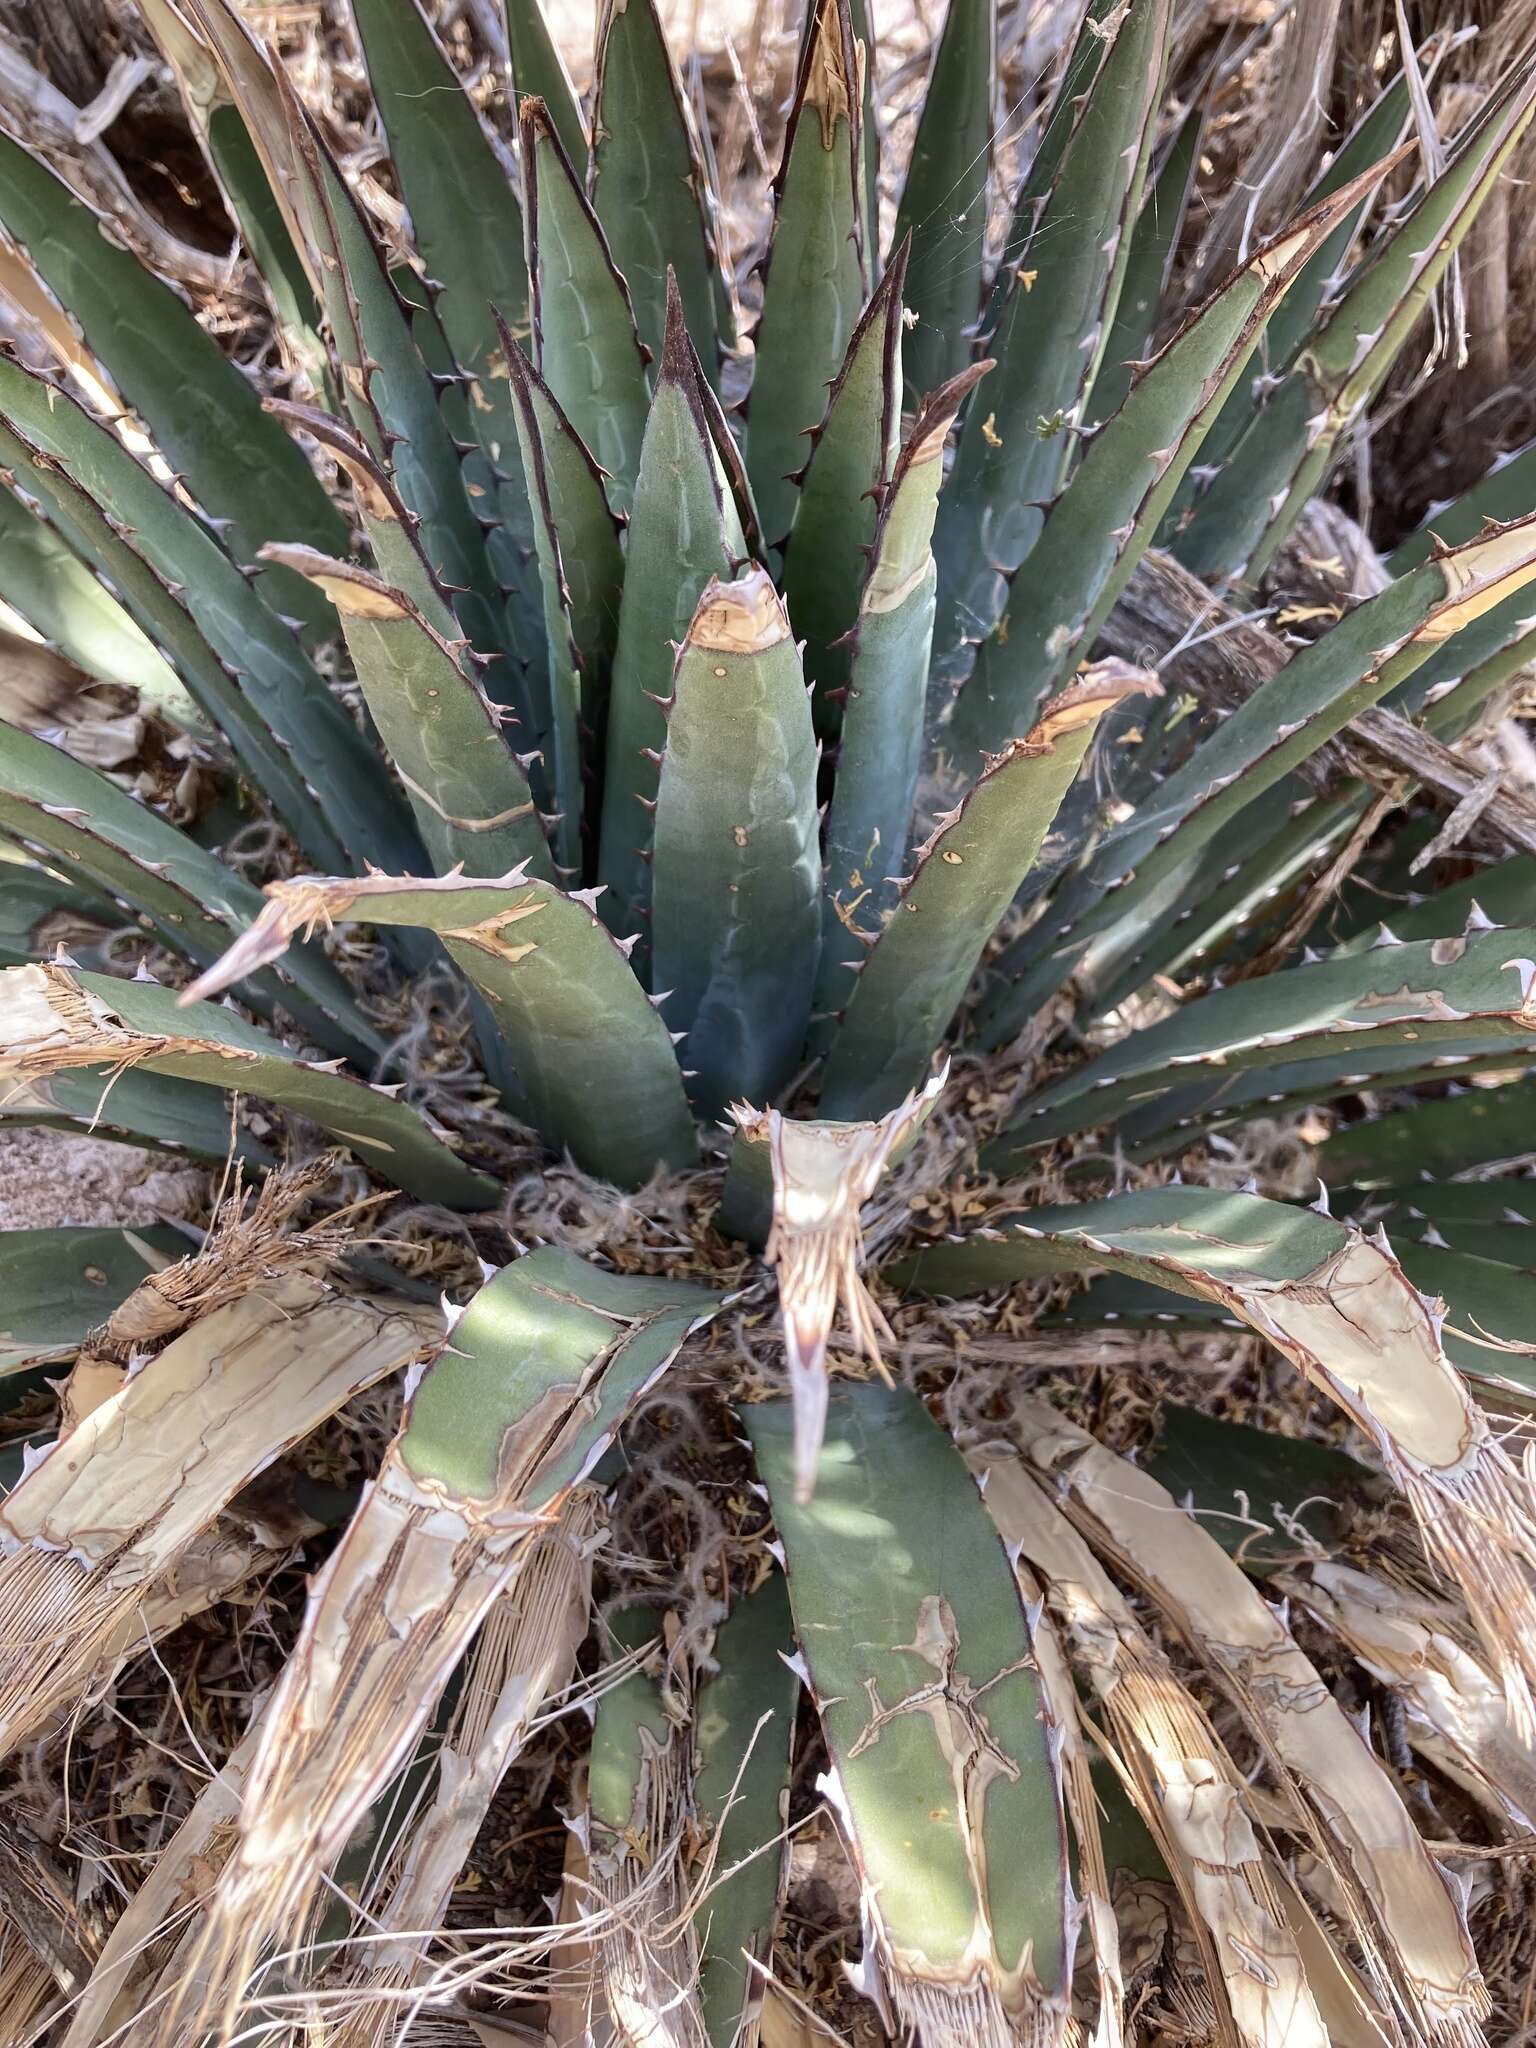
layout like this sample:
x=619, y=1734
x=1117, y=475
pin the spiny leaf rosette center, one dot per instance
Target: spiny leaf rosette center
x=635, y=817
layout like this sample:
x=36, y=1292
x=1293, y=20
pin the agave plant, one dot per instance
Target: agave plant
x=739, y=769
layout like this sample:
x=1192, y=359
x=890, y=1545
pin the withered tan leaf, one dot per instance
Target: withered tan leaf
x=1402, y=1909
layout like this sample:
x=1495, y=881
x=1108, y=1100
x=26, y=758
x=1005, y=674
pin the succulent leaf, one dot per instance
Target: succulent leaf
x=647, y=182
x=921, y=1671
x=919, y=962
x=814, y=283
x=591, y=1054
x=944, y=202
x=205, y=415
x=735, y=871
x=1049, y=333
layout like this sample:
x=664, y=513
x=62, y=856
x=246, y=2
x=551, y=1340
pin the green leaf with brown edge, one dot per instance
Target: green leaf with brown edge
x=944, y=202
x=744, y=1727
x=469, y=792
x=585, y=346
x=684, y=530
x=241, y=665
x=736, y=869
x=1104, y=521
x=60, y=1020
x=826, y=558
x=1375, y=136
x=57, y=1285
x=1286, y=454
x=1430, y=997
x=647, y=183
x=581, y=572
x=1154, y=240
x=590, y=1051
x=539, y=69
x=87, y=826
x=814, y=271
x=468, y=228
x=386, y=386
x=921, y=960
x=915, y=1649
x=242, y=137
x=205, y=415
x=1049, y=334
x=870, y=815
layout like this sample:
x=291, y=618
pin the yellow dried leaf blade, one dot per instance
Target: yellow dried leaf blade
x=88, y=1529
x=1401, y=1907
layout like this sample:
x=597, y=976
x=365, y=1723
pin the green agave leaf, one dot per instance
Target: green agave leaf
x=393, y=530
x=30, y=896
x=57, y=1285
x=581, y=569
x=919, y=963
x=1459, y=1207
x=152, y=1110
x=289, y=731
x=1433, y=995
x=647, y=181
x=1457, y=1134
x=538, y=70
x=584, y=342
x=1488, y=1302
x=468, y=228
x=1285, y=455
x=882, y=724
x=814, y=277
x=50, y=586
x=826, y=558
x=736, y=871
x=388, y=387
x=1167, y=1123
x=1374, y=138
x=1101, y=525
x=61, y=1020
x=861, y=15
x=204, y=414
x=944, y=202
x=544, y=1364
x=683, y=531
x=1507, y=492
x=1252, y=1489
x=1355, y=664
x=1153, y=241
x=914, y=1646
x=631, y=1724
x=590, y=1051
x=1501, y=894
x=744, y=1726
x=467, y=788
x=1089, y=52
x=247, y=161
x=1050, y=332
x=92, y=828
